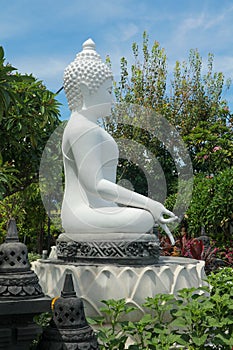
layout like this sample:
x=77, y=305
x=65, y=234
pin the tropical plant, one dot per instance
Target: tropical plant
x=7, y=94
x=112, y=337
x=26, y=129
x=212, y=205
x=192, y=102
x=192, y=248
x=194, y=319
x=225, y=253
x=29, y=115
x=8, y=177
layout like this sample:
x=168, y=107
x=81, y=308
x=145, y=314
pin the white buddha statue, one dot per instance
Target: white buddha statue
x=90, y=204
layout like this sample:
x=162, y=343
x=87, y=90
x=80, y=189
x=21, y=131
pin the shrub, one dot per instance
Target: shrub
x=197, y=319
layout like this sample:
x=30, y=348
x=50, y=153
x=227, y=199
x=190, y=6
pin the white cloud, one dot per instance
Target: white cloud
x=128, y=31
x=122, y=32
x=201, y=21
x=191, y=23
x=207, y=26
x=224, y=64
x=48, y=69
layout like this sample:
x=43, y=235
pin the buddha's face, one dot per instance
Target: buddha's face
x=102, y=96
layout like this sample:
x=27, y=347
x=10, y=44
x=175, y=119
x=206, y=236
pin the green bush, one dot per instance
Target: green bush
x=197, y=319
x=212, y=205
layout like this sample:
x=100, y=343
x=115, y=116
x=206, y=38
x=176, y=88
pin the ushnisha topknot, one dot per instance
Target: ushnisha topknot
x=87, y=68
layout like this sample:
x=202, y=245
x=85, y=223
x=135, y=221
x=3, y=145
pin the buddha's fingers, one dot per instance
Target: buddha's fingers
x=168, y=232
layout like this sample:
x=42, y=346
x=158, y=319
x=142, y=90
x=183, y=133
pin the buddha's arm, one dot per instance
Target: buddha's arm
x=113, y=192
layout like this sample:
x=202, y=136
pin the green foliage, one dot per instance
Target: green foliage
x=33, y=256
x=8, y=97
x=26, y=129
x=196, y=97
x=210, y=144
x=221, y=281
x=146, y=85
x=43, y=319
x=7, y=94
x=112, y=337
x=8, y=177
x=32, y=221
x=29, y=113
x=192, y=101
x=197, y=319
x=212, y=205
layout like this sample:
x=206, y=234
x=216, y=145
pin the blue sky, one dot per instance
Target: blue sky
x=43, y=36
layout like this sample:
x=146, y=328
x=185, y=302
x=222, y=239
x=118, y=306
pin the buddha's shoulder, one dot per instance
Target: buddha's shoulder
x=83, y=129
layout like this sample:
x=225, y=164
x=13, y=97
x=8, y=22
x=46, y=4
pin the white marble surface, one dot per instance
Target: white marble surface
x=90, y=156
x=102, y=282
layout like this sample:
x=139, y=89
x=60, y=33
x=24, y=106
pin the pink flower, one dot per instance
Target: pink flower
x=216, y=148
x=206, y=157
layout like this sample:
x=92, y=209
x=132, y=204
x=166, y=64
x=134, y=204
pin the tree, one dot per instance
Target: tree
x=145, y=86
x=29, y=115
x=26, y=128
x=7, y=95
x=192, y=102
x=200, y=114
x=212, y=205
x=7, y=98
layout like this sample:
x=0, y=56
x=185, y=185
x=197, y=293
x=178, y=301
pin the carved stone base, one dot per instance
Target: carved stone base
x=96, y=282
x=140, y=250
x=20, y=286
x=54, y=339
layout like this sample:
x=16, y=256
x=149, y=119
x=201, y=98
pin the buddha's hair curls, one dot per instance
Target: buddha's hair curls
x=87, y=68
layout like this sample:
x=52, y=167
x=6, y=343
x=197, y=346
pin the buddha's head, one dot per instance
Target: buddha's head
x=87, y=78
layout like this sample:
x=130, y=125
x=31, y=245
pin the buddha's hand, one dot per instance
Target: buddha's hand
x=158, y=211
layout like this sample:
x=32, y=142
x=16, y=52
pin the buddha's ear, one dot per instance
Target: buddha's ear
x=85, y=91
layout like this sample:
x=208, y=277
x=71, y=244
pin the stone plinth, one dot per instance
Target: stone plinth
x=21, y=296
x=96, y=282
x=17, y=326
x=121, y=249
